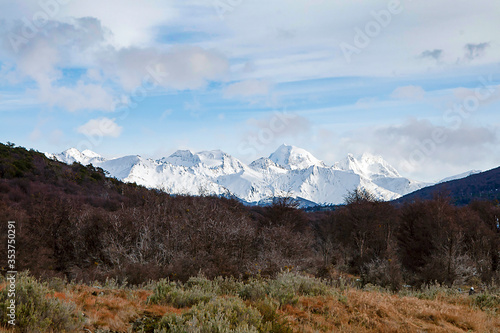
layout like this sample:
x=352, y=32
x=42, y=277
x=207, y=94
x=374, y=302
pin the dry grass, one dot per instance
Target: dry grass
x=363, y=311
x=115, y=309
x=349, y=310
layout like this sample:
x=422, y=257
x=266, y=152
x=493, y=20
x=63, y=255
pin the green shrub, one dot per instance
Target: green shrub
x=283, y=293
x=35, y=311
x=57, y=284
x=219, y=315
x=272, y=321
x=161, y=290
x=487, y=302
x=227, y=286
x=288, y=286
x=167, y=292
x=431, y=292
x=253, y=290
x=218, y=286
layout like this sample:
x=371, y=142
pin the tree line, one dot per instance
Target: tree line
x=74, y=222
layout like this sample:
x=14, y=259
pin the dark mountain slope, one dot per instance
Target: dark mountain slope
x=481, y=186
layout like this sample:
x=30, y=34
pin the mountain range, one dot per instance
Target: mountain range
x=289, y=171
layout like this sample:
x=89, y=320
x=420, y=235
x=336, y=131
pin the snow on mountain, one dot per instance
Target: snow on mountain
x=369, y=166
x=72, y=155
x=459, y=176
x=293, y=158
x=288, y=171
x=374, y=169
x=183, y=157
x=121, y=167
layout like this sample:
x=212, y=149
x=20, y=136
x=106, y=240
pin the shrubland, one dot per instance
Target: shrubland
x=290, y=302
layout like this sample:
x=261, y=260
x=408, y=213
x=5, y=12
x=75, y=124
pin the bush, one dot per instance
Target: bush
x=273, y=322
x=35, y=312
x=57, y=284
x=219, y=315
x=487, y=302
x=167, y=292
x=431, y=292
x=218, y=286
x=288, y=286
x=253, y=290
x=383, y=272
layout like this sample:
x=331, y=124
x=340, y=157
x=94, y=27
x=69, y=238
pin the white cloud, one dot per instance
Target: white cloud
x=180, y=68
x=484, y=94
x=81, y=97
x=85, y=43
x=413, y=93
x=43, y=58
x=131, y=22
x=298, y=39
x=124, y=37
x=247, y=89
x=101, y=127
x=295, y=39
x=188, y=68
x=419, y=148
x=94, y=74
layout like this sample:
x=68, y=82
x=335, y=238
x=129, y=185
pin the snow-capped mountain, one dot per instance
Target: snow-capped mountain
x=369, y=166
x=74, y=155
x=288, y=171
x=293, y=158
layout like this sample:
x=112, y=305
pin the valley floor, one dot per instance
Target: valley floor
x=354, y=311
x=287, y=304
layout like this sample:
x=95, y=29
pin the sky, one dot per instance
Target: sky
x=416, y=82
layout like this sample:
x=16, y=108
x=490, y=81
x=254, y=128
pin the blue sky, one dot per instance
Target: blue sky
x=418, y=83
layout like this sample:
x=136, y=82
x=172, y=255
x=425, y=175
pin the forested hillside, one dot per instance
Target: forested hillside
x=75, y=222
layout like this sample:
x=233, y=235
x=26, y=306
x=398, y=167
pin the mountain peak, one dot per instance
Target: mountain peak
x=90, y=153
x=74, y=155
x=182, y=153
x=71, y=151
x=183, y=157
x=294, y=158
x=368, y=165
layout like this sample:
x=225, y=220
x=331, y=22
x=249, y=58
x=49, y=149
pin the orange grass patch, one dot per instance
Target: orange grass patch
x=60, y=296
x=113, y=310
x=378, y=312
